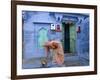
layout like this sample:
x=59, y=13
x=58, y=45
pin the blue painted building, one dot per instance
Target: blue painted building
x=72, y=29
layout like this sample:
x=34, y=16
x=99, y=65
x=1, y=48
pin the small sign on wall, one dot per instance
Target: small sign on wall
x=58, y=27
x=53, y=27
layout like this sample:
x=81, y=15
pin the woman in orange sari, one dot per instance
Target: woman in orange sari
x=57, y=51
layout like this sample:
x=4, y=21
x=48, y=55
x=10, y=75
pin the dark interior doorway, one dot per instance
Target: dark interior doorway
x=66, y=32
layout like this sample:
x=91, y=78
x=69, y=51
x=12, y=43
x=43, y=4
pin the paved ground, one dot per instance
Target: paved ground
x=70, y=60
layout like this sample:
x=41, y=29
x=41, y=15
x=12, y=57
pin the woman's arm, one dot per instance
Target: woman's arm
x=47, y=50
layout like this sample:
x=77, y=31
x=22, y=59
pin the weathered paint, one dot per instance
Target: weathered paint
x=72, y=38
x=36, y=27
x=43, y=38
x=83, y=39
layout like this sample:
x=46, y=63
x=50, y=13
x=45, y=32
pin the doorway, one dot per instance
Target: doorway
x=69, y=37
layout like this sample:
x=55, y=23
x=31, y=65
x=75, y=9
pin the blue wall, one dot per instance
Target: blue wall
x=83, y=39
x=34, y=21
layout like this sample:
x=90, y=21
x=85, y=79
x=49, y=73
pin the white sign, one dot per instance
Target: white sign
x=53, y=27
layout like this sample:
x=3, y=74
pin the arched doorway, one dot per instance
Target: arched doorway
x=42, y=37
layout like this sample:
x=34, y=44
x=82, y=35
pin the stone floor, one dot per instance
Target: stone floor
x=70, y=61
